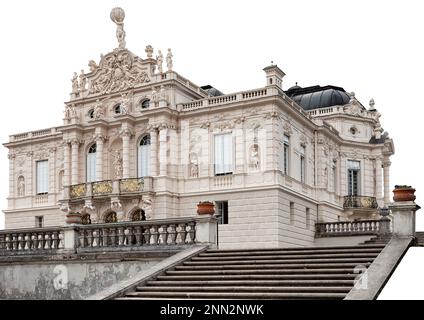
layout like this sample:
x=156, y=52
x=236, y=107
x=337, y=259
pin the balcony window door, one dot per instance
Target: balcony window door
x=42, y=168
x=91, y=163
x=286, y=149
x=144, y=157
x=302, y=164
x=223, y=154
x=353, y=177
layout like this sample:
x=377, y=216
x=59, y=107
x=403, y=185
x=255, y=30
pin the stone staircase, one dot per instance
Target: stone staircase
x=379, y=240
x=281, y=273
x=419, y=239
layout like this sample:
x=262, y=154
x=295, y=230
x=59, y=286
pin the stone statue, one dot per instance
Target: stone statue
x=98, y=110
x=117, y=15
x=254, y=156
x=92, y=65
x=149, y=51
x=67, y=112
x=125, y=101
x=159, y=61
x=75, y=86
x=154, y=97
x=117, y=163
x=194, y=166
x=169, y=60
x=21, y=186
x=162, y=93
x=73, y=111
x=83, y=81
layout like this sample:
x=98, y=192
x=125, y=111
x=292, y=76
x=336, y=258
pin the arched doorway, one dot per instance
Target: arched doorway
x=138, y=215
x=111, y=217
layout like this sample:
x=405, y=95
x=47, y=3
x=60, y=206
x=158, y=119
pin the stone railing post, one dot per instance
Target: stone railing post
x=207, y=230
x=404, y=218
x=384, y=226
x=70, y=238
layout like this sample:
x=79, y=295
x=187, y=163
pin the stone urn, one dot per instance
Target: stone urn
x=206, y=207
x=73, y=218
x=403, y=193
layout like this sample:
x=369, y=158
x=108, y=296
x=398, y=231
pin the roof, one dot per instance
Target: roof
x=318, y=97
x=212, y=91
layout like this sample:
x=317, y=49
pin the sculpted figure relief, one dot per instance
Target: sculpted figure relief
x=75, y=85
x=169, y=60
x=194, y=165
x=254, y=156
x=98, y=110
x=21, y=186
x=159, y=61
x=117, y=15
x=83, y=81
x=117, y=163
x=92, y=65
x=125, y=103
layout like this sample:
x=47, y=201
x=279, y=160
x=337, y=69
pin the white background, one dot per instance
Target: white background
x=374, y=48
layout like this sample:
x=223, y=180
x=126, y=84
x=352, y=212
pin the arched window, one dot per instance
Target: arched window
x=117, y=109
x=145, y=104
x=91, y=163
x=138, y=215
x=144, y=157
x=111, y=217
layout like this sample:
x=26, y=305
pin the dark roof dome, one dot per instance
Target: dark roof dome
x=318, y=97
x=212, y=91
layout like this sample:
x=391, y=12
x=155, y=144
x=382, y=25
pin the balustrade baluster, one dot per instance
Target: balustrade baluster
x=146, y=235
x=173, y=233
x=47, y=241
x=89, y=237
x=40, y=241
x=127, y=236
x=164, y=234
x=112, y=232
x=183, y=233
x=21, y=244
x=120, y=236
x=155, y=234
x=27, y=245
x=192, y=232
x=138, y=236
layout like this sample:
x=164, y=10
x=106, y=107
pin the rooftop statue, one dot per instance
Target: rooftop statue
x=117, y=15
x=169, y=60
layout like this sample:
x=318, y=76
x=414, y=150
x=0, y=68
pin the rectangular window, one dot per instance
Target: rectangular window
x=302, y=164
x=286, y=147
x=42, y=176
x=223, y=154
x=39, y=222
x=291, y=212
x=222, y=212
x=308, y=218
x=353, y=170
x=334, y=172
x=91, y=167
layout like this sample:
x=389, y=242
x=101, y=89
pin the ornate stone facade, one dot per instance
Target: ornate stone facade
x=155, y=137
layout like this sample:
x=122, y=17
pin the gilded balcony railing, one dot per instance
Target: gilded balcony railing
x=78, y=190
x=131, y=185
x=360, y=202
x=102, y=187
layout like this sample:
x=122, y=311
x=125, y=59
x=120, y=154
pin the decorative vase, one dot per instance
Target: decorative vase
x=73, y=218
x=206, y=208
x=403, y=193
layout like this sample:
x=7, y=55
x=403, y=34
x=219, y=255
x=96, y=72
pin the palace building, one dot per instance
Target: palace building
x=139, y=141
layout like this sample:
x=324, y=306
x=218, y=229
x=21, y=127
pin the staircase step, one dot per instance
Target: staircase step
x=260, y=271
x=289, y=257
x=306, y=249
x=255, y=289
x=259, y=277
x=280, y=261
x=312, y=282
x=292, y=252
x=234, y=295
x=300, y=266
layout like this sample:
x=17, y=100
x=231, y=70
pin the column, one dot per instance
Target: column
x=378, y=181
x=66, y=163
x=75, y=157
x=126, y=135
x=99, y=157
x=11, y=158
x=52, y=170
x=153, y=152
x=386, y=170
x=163, y=148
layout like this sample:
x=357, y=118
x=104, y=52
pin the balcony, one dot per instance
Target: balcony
x=108, y=188
x=360, y=202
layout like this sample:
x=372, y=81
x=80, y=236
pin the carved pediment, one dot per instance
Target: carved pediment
x=119, y=70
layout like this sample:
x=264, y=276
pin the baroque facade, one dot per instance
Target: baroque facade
x=140, y=141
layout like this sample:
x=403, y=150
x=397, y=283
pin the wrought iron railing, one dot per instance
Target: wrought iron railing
x=362, y=202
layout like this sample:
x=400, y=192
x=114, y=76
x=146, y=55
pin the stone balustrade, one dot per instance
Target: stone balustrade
x=108, y=188
x=31, y=134
x=121, y=236
x=350, y=228
x=31, y=241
